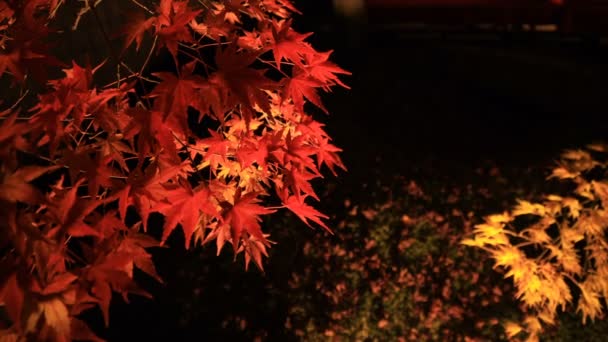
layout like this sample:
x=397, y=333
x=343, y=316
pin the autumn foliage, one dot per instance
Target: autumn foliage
x=212, y=146
x=554, y=249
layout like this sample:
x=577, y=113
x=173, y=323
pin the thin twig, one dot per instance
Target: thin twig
x=87, y=7
x=274, y=66
x=19, y=100
x=142, y=6
x=143, y=66
x=109, y=43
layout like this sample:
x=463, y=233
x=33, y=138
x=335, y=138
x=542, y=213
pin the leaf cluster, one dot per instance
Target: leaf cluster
x=554, y=249
x=212, y=146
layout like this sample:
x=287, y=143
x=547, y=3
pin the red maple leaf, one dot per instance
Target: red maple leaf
x=302, y=87
x=135, y=30
x=299, y=182
x=304, y=211
x=317, y=72
x=254, y=249
x=15, y=187
x=134, y=245
x=299, y=152
x=246, y=85
x=145, y=189
x=11, y=132
x=289, y=44
x=69, y=211
x=252, y=150
x=172, y=24
x=184, y=206
x=72, y=97
x=154, y=135
x=96, y=170
x=59, y=283
x=25, y=55
x=214, y=149
x=320, y=68
x=12, y=295
x=244, y=216
x=174, y=94
x=327, y=154
x=109, y=273
x=279, y=8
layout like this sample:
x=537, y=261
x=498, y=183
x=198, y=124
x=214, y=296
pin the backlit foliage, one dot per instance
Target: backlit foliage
x=212, y=144
x=555, y=249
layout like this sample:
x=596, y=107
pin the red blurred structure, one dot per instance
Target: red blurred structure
x=567, y=16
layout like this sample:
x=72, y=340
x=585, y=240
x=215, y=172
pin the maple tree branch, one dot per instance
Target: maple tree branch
x=276, y=208
x=273, y=62
x=53, y=12
x=72, y=254
x=142, y=6
x=203, y=4
x=145, y=64
x=544, y=255
x=274, y=66
x=133, y=75
x=202, y=46
x=524, y=244
x=572, y=279
x=140, y=73
x=87, y=7
x=16, y=104
x=198, y=59
x=84, y=133
x=191, y=47
x=103, y=31
x=5, y=38
x=109, y=45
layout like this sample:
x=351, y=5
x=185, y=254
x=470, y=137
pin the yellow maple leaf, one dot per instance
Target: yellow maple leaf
x=512, y=328
x=56, y=316
x=489, y=229
x=547, y=316
x=529, y=290
x=472, y=242
x=525, y=207
x=573, y=205
x=570, y=235
x=570, y=261
x=536, y=234
x=508, y=256
x=576, y=155
x=589, y=304
x=533, y=325
x=599, y=147
x=499, y=218
x=593, y=223
x=601, y=190
x=563, y=173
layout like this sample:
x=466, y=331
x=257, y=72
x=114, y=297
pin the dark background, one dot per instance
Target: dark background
x=451, y=98
x=462, y=94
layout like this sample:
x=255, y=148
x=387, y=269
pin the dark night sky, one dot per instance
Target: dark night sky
x=467, y=96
